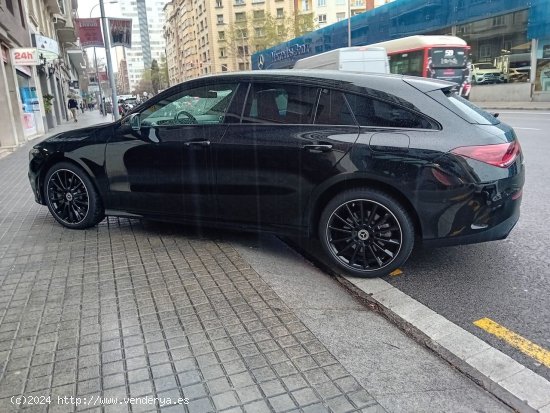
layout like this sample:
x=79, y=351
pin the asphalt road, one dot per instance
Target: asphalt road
x=506, y=281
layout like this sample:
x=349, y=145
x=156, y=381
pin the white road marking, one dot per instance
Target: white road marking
x=517, y=127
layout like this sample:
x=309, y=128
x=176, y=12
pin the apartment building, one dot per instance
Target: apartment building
x=198, y=34
x=331, y=11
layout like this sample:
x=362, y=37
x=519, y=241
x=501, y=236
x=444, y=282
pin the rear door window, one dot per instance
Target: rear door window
x=280, y=103
x=333, y=109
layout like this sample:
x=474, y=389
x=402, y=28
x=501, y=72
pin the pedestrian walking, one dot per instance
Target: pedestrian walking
x=73, y=107
x=82, y=107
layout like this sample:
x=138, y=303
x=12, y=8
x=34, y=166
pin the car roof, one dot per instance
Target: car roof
x=376, y=80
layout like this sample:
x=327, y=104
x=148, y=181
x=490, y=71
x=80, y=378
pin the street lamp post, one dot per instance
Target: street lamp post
x=107, y=41
x=349, y=23
x=96, y=68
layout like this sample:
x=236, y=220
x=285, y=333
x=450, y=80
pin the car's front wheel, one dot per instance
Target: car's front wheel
x=366, y=232
x=71, y=196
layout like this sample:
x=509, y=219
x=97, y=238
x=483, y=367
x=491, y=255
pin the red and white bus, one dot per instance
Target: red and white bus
x=439, y=57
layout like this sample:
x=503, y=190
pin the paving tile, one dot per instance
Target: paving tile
x=143, y=308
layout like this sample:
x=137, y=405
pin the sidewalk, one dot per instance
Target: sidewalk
x=514, y=105
x=88, y=118
x=232, y=322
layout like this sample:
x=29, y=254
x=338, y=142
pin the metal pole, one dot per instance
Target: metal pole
x=349, y=23
x=107, y=41
x=98, y=81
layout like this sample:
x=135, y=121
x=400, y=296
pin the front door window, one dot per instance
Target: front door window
x=205, y=105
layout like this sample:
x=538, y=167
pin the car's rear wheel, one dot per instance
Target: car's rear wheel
x=71, y=196
x=366, y=232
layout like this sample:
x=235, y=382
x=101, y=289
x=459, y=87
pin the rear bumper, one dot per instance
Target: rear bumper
x=495, y=233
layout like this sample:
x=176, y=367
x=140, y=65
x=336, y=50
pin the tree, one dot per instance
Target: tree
x=302, y=23
x=145, y=84
x=261, y=30
x=155, y=76
x=164, y=79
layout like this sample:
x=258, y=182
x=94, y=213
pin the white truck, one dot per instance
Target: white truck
x=363, y=59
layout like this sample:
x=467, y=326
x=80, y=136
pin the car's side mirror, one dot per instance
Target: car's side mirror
x=135, y=121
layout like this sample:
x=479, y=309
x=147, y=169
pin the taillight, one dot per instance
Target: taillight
x=502, y=155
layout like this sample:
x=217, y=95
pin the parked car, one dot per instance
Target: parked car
x=485, y=73
x=369, y=164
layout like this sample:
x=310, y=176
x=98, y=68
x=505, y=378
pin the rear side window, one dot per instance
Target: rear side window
x=333, y=109
x=469, y=111
x=280, y=103
x=373, y=112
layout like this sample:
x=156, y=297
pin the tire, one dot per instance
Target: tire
x=71, y=197
x=363, y=244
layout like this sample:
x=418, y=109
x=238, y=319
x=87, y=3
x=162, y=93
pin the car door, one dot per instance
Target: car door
x=165, y=168
x=289, y=139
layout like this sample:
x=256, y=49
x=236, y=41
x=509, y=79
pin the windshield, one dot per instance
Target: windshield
x=449, y=56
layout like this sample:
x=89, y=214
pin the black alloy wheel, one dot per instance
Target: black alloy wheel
x=366, y=232
x=71, y=197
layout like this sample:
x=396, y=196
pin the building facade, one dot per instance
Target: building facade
x=148, y=41
x=205, y=37
x=45, y=26
x=513, y=31
x=327, y=12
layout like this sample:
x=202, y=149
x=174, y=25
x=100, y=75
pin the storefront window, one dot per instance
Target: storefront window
x=542, y=76
x=29, y=101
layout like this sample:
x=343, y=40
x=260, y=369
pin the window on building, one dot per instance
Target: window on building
x=240, y=17
x=21, y=13
x=280, y=13
x=219, y=3
x=242, y=51
x=259, y=14
x=259, y=32
x=499, y=21
x=322, y=18
x=222, y=52
x=239, y=2
x=340, y=16
x=485, y=50
x=321, y=3
x=219, y=18
x=305, y=5
x=224, y=68
x=340, y=2
x=221, y=36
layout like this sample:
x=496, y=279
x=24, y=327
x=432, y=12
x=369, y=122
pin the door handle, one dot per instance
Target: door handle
x=200, y=143
x=320, y=147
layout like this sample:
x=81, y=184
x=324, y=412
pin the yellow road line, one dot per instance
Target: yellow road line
x=515, y=340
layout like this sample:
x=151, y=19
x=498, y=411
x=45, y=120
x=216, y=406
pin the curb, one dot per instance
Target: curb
x=505, y=378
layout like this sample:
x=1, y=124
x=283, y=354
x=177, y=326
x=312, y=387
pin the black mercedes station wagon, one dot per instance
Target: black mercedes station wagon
x=368, y=163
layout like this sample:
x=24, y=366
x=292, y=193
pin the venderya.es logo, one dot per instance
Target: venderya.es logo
x=261, y=61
